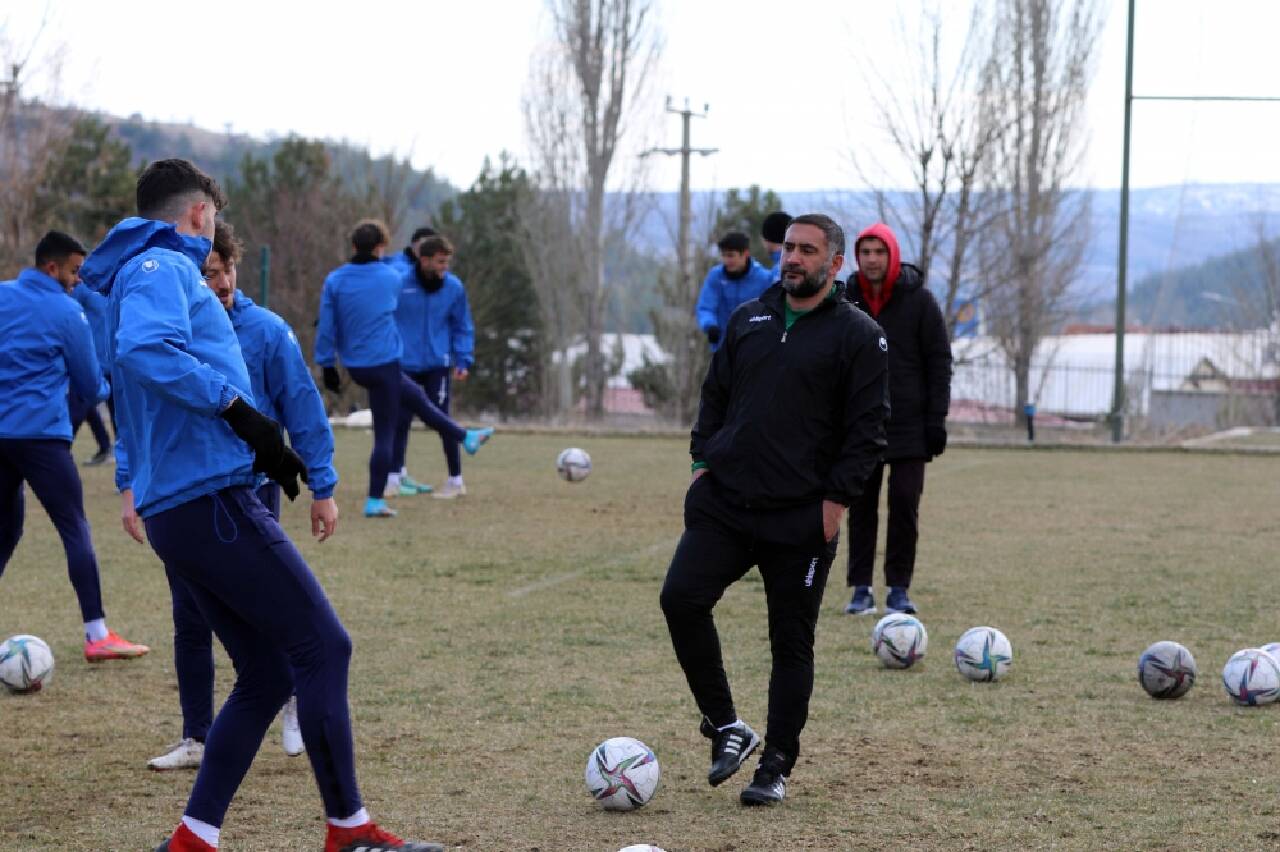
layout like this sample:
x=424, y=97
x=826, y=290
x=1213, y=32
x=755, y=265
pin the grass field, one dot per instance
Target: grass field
x=500, y=637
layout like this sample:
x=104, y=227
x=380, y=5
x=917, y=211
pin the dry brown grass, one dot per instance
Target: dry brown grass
x=500, y=637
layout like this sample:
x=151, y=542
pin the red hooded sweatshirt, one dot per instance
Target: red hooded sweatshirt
x=881, y=232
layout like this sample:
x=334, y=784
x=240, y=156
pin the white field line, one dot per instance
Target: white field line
x=620, y=559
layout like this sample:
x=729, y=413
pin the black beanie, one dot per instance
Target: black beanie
x=774, y=227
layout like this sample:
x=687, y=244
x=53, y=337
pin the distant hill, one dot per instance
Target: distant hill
x=220, y=154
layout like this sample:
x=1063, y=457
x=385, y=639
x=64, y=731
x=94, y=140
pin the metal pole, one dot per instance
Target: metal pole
x=264, y=273
x=686, y=205
x=1122, y=267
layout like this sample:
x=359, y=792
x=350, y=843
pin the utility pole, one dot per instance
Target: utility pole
x=685, y=151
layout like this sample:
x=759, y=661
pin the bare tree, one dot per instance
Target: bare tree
x=1042, y=63
x=580, y=97
x=942, y=130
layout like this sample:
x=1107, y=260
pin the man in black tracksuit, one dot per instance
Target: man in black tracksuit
x=791, y=423
x=893, y=293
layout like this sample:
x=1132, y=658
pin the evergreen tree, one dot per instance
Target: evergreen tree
x=483, y=225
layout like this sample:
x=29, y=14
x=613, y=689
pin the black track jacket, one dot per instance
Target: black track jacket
x=789, y=418
x=919, y=362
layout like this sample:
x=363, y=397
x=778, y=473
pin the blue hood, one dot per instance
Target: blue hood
x=130, y=238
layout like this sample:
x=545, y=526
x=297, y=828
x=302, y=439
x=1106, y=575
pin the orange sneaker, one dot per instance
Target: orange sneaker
x=112, y=648
x=370, y=838
x=184, y=840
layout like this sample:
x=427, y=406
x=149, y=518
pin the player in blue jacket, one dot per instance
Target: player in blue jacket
x=284, y=391
x=439, y=339
x=773, y=231
x=404, y=261
x=83, y=410
x=194, y=446
x=46, y=346
x=736, y=279
x=358, y=324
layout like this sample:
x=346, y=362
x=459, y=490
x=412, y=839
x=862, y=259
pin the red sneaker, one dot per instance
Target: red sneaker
x=370, y=838
x=184, y=840
x=112, y=648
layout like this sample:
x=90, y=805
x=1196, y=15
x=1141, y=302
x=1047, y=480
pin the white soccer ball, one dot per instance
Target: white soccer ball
x=1273, y=648
x=1252, y=677
x=26, y=664
x=899, y=640
x=983, y=654
x=642, y=847
x=622, y=774
x=573, y=464
x=1167, y=670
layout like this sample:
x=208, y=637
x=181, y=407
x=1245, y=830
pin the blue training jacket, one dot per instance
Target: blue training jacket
x=776, y=270
x=94, y=306
x=46, y=346
x=436, y=328
x=721, y=294
x=357, y=316
x=401, y=262
x=284, y=389
x=175, y=365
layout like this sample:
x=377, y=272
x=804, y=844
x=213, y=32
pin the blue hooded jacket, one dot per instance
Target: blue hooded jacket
x=94, y=306
x=284, y=389
x=175, y=365
x=436, y=327
x=46, y=346
x=721, y=294
x=357, y=316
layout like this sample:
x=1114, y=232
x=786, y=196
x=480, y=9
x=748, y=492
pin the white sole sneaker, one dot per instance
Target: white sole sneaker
x=290, y=732
x=185, y=755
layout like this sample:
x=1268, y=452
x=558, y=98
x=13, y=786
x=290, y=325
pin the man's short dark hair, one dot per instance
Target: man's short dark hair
x=734, y=241
x=165, y=187
x=422, y=233
x=434, y=245
x=368, y=235
x=56, y=247
x=774, y=226
x=226, y=243
x=833, y=232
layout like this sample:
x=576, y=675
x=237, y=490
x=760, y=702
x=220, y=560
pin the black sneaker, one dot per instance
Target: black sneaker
x=862, y=602
x=769, y=786
x=100, y=457
x=729, y=748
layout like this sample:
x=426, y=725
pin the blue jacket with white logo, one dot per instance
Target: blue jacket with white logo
x=46, y=346
x=284, y=390
x=357, y=316
x=175, y=365
x=94, y=306
x=721, y=294
x=436, y=328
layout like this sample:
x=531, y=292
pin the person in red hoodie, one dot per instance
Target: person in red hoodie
x=894, y=295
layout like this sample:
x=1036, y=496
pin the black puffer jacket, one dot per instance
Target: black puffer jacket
x=919, y=362
x=793, y=416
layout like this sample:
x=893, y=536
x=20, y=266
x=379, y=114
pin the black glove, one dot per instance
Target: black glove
x=935, y=439
x=332, y=379
x=270, y=454
x=713, y=334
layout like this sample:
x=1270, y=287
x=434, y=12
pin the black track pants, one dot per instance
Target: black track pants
x=906, y=485
x=720, y=544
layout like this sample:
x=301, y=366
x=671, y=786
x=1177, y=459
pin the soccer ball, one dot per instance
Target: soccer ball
x=1167, y=670
x=641, y=847
x=573, y=464
x=26, y=664
x=899, y=640
x=622, y=774
x=1273, y=648
x=1252, y=677
x=983, y=654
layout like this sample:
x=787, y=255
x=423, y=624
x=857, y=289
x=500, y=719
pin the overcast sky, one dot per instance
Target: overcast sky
x=442, y=81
